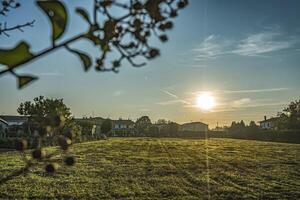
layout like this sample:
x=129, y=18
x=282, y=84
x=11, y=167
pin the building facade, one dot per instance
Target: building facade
x=269, y=124
x=122, y=127
x=194, y=127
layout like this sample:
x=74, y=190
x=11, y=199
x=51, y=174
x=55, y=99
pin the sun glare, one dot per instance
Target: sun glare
x=205, y=101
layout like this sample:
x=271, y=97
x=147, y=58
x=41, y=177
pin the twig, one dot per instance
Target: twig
x=17, y=27
x=95, y=12
x=6, y=5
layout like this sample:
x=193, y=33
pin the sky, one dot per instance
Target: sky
x=244, y=53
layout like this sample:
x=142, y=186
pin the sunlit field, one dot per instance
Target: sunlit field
x=146, y=168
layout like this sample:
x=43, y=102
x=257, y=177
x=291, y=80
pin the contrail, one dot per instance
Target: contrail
x=174, y=96
x=169, y=93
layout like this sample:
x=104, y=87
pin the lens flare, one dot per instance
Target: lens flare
x=205, y=101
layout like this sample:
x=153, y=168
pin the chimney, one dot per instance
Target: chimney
x=265, y=118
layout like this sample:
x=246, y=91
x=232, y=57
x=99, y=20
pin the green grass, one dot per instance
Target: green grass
x=143, y=168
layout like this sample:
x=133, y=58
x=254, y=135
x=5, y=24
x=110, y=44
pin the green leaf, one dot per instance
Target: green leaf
x=83, y=14
x=86, y=60
x=25, y=80
x=58, y=16
x=12, y=57
x=91, y=37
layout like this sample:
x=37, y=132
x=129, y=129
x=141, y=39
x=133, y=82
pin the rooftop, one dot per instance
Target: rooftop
x=9, y=118
x=191, y=123
x=123, y=121
x=272, y=119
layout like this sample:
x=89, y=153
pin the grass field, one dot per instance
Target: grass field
x=145, y=168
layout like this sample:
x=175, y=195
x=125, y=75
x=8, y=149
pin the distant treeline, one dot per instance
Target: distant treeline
x=289, y=136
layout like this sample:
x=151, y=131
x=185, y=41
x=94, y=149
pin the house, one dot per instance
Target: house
x=15, y=124
x=122, y=127
x=194, y=127
x=14, y=120
x=161, y=126
x=167, y=128
x=3, y=128
x=269, y=124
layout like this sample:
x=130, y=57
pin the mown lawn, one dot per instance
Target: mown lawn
x=145, y=168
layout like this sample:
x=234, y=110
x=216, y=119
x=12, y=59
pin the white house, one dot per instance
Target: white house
x=270, y=123
x=194, y=127
x=122, y=127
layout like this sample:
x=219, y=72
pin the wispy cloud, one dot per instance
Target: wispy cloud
x=144, y=110
x=212, y=47
x=49, y=74
x=254, y=90
x=261, y=43
x=172, y=102
x=245, y=103
x=118, y=93
x=257, y=44
x=246, y=91
x=253, y=105
x=241, y=102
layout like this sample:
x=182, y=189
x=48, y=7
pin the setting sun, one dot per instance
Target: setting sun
x=205, y=101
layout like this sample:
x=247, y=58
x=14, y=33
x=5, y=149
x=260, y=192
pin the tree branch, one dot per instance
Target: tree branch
x=17, y=27
x=139, y=22
x=46, y=51
x=95, y=12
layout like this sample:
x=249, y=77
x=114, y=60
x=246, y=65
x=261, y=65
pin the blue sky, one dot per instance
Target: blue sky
x=246, y=53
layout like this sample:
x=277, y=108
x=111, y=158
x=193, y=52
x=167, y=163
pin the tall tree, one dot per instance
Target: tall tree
x=44, y=112
x=252, y=124
x=143, y=124
x=106, y=126
x=242, y=124
x=290, y=117
x=253, y=127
